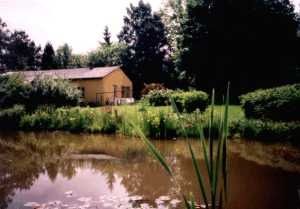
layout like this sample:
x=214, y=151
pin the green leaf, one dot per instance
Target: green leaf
x=198, y=175
x=153, y=150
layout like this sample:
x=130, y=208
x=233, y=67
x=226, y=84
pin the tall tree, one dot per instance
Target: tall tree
x=250, y=43
x=64, y=56
x=22, y=53
x=147, y=46
x=48, y=57
x=106, y=36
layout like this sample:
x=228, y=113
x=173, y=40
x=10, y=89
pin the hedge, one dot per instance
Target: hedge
x=266, y=130
x=10, y=117
x=186, y=101
x=189, y=101
x=278, y=104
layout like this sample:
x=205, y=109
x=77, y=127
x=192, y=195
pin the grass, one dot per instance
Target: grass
x=156, y=122
x=133, y=111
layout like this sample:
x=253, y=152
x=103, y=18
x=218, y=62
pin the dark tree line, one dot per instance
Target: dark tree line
x=252, y=43
x=19, y=52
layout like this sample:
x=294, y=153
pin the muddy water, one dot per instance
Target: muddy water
x=61, y=170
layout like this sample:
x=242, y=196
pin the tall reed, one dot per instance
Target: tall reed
x=215, y=194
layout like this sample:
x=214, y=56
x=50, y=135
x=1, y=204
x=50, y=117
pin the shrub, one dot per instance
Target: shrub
x=267, y=130
x=10, y=118
x=189, y=101
x=158, y=97
x=13, y=90
x=50, y=91
x=279, y=104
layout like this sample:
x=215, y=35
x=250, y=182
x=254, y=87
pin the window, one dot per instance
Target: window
x=125, y=92
x=82, y=91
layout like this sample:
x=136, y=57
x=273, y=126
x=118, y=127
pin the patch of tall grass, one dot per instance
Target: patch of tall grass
x=71, y=119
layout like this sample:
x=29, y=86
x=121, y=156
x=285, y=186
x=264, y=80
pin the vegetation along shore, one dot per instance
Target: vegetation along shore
x=263, y=114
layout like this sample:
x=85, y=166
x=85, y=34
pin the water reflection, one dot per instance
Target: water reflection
x=39, y=169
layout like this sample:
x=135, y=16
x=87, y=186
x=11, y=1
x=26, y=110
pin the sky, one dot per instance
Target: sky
x=80, y=23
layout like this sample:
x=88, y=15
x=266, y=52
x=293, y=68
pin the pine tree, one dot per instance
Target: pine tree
x=147, y=46
x=106, y=36
x=48, y=57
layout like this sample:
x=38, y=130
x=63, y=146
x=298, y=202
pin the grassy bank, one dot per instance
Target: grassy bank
x=155, y=122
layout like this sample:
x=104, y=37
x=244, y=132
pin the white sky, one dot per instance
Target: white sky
x=79, y=23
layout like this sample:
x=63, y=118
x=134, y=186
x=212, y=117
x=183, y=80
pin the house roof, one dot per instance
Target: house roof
x=71, y=74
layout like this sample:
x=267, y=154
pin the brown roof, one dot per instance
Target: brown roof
x=71, y=74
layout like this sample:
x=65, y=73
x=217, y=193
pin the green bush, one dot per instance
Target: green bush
x=13, y=91
x=50, y=91
x=279, y=104
x=10, y=118
x=187, y=101
x=266, y=130
x=42, y=91
x=158, y=97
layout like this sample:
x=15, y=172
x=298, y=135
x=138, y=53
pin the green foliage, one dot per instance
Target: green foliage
x=280, y=104
x=144, y=34
x=13, y=90
x=106, y=36
x=203, y=30
x=73, y=119
x=63, y=56
x=9, y=118
x=78, y=61
x=185, y=101
x=48, y=57
x=158, y=97
x=266, y=130
x=21, y=52
x=50, y=91
x=107, y=55
x=160, y=124
x=190, y=101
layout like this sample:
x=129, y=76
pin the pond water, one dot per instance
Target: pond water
x=63, y=170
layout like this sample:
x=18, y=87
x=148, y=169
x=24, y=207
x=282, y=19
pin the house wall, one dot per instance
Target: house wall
x=91, y=87
x=102, y=90
x=118, y=79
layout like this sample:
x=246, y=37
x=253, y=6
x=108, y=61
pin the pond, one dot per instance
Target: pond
x=63, y=170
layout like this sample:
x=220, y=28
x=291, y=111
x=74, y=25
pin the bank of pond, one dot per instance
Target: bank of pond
x=155, y=122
